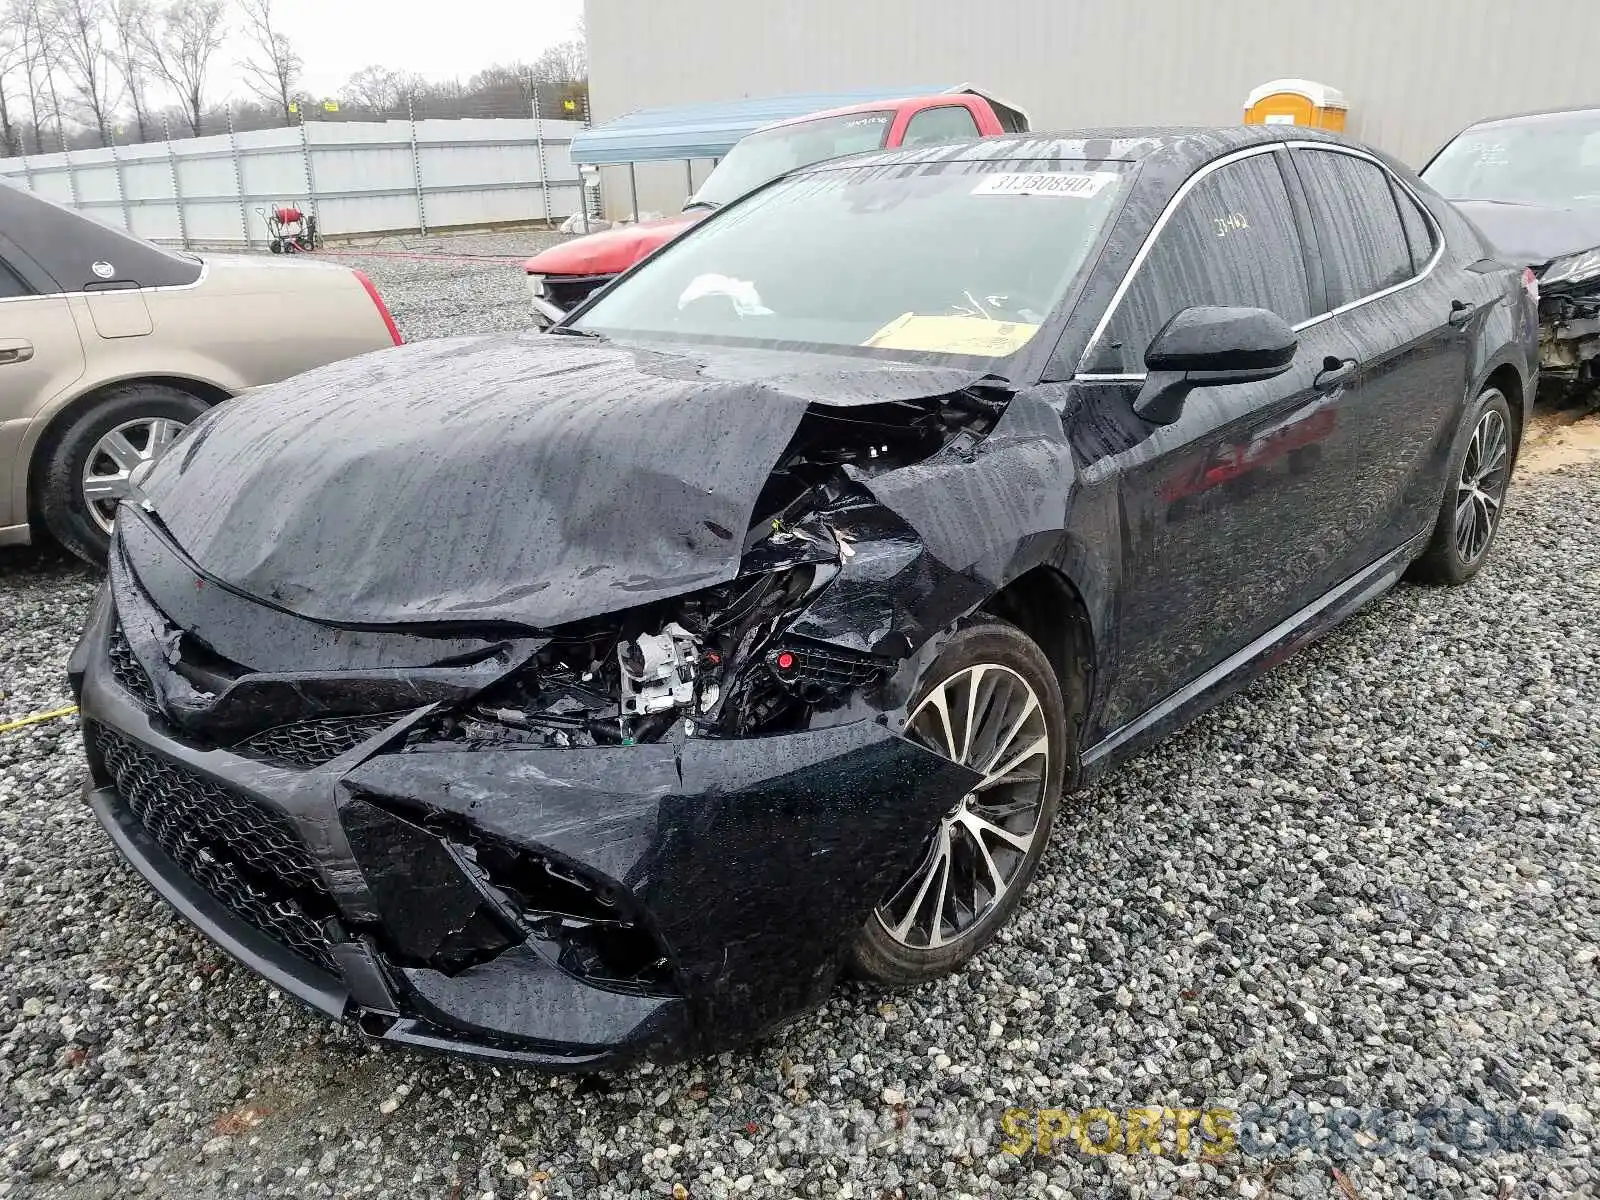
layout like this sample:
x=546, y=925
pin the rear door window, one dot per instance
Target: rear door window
x=1419, y=231
x=11, y=284
x=1232, y=241
x=1363, y=241
x=947, y=123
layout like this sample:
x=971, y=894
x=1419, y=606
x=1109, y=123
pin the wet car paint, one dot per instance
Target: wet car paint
x=749, y=859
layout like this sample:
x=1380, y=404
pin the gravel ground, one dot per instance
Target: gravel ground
x=1371, y=882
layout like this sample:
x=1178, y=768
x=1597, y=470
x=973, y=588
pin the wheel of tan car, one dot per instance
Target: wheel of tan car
x=990, y=701
x=85, y=470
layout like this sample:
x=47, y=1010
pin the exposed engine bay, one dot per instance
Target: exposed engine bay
x=722, y=662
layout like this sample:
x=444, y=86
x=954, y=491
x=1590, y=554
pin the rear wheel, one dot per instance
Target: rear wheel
x=1469, y=516
x=991, y=702
x=86, y=470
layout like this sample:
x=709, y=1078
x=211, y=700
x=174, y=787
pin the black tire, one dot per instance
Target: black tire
x=59, y=493
x=877, y=954
x=1444, y=561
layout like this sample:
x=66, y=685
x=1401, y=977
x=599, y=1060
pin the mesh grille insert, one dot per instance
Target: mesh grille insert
x=312, y=743
x=125, y=669
x=245, y=855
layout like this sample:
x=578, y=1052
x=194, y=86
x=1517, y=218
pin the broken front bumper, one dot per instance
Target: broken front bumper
x=353, y=884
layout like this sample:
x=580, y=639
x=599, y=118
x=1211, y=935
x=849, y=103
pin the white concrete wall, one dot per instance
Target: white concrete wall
x=357, y=177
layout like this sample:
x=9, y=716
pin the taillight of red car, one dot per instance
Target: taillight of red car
x=383, y=309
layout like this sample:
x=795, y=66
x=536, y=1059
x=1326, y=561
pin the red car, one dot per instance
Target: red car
x=564, y=276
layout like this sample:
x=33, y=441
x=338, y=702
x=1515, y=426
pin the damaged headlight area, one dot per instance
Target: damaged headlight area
x=1569, y=313
x=722, y=662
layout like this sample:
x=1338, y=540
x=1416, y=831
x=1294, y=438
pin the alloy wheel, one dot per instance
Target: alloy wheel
x=986, y=717
x=107, y=471
x=1481, y=490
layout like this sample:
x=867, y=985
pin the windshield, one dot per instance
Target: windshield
x=1551, y=160
x=768, y=154
x=951, y=258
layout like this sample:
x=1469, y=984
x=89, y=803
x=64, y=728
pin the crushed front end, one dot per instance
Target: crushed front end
x=610, y=763
x=654, y=830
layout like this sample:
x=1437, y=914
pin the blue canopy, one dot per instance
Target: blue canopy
x=710, y=130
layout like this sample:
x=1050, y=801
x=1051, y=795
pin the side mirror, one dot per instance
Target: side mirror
x=1207, y=347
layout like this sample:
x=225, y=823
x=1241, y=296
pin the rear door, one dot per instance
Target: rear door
x=1222, y=510
x=40, y=357
x=1392, y=308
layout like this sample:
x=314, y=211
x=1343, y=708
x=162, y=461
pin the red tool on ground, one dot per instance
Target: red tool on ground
x=289, y=230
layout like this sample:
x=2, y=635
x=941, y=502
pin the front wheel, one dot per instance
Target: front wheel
x=989, y=701
x=1475, y=495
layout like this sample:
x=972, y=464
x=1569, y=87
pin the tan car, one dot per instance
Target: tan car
x=110, y=346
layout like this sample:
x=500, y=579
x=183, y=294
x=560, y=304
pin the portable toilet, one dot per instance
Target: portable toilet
x=1296, y=102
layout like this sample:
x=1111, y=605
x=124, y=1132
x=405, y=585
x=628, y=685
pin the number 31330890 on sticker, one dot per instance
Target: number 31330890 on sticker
x=1074, y=185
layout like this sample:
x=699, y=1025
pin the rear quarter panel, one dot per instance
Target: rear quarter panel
x=1508, y=335
x=249, y=323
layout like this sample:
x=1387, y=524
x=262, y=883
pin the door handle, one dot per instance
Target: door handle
x=15, y=352
x=1461, y=312
x=1335, y=373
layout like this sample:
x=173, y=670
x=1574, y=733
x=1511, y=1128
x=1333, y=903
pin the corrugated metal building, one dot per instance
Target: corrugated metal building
x=1413, y=71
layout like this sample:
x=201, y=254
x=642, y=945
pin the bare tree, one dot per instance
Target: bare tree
x=273, y=69
x=10, y=62
x=128, y=19
x=181, y=47
x=27, y=20
x=381, y=89
x=80, y=29
x=565, y=62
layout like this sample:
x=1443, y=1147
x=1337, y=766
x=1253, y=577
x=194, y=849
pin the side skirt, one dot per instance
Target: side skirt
x=1242, y=667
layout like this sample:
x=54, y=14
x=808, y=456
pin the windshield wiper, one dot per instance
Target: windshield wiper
x=710, y=204
x=574, y=331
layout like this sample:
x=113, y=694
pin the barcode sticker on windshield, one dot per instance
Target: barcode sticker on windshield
x=1055, y=183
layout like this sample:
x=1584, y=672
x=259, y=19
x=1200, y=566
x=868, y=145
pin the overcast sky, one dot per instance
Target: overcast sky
x=442, y=39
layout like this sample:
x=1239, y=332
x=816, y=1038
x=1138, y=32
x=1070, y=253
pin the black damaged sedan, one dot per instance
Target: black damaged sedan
x=564, y=697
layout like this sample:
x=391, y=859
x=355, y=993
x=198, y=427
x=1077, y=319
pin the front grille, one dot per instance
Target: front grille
x=568, y=293
x=125, y=669
x=312, y=743
x=246, y=856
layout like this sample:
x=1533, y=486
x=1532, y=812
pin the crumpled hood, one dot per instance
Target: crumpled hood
x=529, y=478
x=1530, y=234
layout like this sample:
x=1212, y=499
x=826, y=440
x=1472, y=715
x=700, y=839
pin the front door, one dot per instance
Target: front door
x=1222, y=511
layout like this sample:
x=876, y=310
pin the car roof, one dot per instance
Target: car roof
x=1529, y=117
x=895, y=103
x=1173, y=146
x=869, y=106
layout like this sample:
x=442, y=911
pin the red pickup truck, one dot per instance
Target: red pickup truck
x=564, y=276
